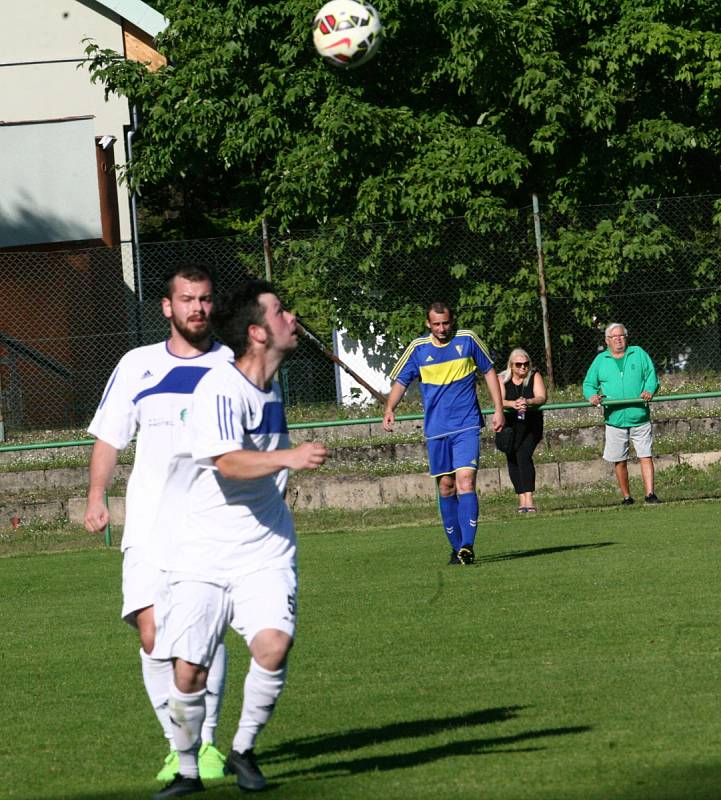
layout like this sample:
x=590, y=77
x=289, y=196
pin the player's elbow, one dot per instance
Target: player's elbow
x=225, y=466
x=225, y=473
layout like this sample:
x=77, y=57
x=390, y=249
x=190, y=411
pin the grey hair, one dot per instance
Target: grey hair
x=613, y=325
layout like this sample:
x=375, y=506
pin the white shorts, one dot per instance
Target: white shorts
x=617, y=440
x=192, y=616
x=141, y=581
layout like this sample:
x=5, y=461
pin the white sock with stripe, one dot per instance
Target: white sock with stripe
x=187, y=712
x=157, y=678
x=260, y=694
x=214, y=698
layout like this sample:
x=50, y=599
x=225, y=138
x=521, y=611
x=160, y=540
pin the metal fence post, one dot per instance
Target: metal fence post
x=108, y=537
x=2, y=420
x=542, y=292
x=135, y=233
x=267, y=253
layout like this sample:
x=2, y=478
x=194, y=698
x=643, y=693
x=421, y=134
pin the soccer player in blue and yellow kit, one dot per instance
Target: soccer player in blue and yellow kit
x=446, y=363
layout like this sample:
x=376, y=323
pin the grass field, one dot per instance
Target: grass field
x=578, y=658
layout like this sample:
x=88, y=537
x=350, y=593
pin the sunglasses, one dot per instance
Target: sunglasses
x=521, y=364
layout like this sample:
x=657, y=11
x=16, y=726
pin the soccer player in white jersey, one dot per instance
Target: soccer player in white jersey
x=149, y=393
x=232, y=562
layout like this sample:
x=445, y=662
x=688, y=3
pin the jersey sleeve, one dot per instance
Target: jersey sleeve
x=481, y=355
x=591, y=383
x=406, y=369
x=116, y=419
x=216, y=421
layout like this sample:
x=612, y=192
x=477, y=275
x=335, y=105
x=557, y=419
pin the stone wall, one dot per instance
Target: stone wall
x=59, y=493
x=308, y=491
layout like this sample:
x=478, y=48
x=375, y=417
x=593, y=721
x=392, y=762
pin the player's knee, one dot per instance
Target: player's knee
x=270, y=649
x=145, y=621
x=189, y=677
x=147, y=640
x=466, y=484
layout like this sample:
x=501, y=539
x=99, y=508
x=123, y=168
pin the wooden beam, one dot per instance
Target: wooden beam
x=139, y=46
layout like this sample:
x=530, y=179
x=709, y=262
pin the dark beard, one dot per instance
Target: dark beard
x=192, y=336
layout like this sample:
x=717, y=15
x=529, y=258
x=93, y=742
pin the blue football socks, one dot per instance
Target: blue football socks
x=449, y=514
x=468, y=517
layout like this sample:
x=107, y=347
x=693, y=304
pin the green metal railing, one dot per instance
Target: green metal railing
x=335, y=423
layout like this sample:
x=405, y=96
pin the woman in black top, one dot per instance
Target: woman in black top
x=523, y=391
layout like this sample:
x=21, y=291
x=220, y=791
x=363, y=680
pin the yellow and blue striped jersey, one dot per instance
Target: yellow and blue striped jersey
x=447, y=376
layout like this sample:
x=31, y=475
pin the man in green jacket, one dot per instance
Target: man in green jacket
x=625, y=373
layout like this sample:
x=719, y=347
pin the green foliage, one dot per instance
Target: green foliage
x=469, y=106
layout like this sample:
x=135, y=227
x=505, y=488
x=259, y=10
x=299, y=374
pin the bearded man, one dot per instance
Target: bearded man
x=148, y=394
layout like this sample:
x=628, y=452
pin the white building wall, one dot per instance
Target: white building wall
x=40, y=49
x=371, y=359
x=39, y=203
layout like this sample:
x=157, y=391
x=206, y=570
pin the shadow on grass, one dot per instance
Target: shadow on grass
x=329, y=745
x=425, y=756
x=313, y=746
x=539, y=551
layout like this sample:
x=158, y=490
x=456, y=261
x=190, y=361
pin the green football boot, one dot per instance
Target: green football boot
x=211, y=762
x=171, y=766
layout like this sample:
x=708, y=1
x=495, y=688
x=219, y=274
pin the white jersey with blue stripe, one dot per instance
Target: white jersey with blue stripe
x=149, y=394
x=222, y=527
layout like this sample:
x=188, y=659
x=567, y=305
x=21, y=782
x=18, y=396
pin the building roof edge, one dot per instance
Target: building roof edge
x=140, y=14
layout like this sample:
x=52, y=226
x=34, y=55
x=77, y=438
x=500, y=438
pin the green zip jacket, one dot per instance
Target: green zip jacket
x=621, y=379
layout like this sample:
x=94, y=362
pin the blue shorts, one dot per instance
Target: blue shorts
x=447, y=454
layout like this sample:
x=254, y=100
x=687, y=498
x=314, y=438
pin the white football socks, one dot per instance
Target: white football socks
x=260, y=694
x=187, y=712
x=214, y=697
x=157, y=677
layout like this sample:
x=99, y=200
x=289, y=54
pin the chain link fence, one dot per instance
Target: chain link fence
x=653, y=265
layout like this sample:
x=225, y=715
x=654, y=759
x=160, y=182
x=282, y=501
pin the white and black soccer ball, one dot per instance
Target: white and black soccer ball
x=347, y=33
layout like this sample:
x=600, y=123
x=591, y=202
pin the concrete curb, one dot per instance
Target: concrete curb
x=307, y=493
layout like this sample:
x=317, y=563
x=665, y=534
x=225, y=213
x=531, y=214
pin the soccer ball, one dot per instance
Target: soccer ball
x=347, y=33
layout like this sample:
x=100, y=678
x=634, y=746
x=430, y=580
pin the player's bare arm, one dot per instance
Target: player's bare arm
x=494, y=390
x=395, y=397
x=102, y=463
x=245, y=465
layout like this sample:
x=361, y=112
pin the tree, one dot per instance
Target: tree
x=469, y=107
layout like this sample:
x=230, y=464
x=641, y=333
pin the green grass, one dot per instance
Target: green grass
x=578, y=658
x=43, y=537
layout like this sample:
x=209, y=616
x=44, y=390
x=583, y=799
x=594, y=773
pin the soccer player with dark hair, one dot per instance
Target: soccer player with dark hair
x=231, y=560
x=446, y=363
x=148, y=393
